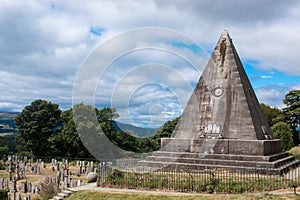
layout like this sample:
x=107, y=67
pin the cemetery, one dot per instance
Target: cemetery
x=24, y=178
x=221, y=144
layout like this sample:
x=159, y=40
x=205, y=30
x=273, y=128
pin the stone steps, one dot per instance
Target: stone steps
x=207, y=161
x=276, y=163
x=270, y=158
x=189, y=166
x=63, y=194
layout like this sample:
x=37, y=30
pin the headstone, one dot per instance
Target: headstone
x=38, y=171
x=25, y=159
x=71, y=183
x=36, y=190
x=23, y=173
x=10, y=175
x=26, y=167
x=18, y=196
x=6, y=184
x=92, y=166
x=24, y=186
x=58, y=177
x=29, y=187
x=222, y=124
x=34, y=168
x=13, y=186
x=27, y=197
x=1, y=184
x=65, y=182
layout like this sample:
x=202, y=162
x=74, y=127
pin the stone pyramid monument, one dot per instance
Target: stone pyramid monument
x=223, y=124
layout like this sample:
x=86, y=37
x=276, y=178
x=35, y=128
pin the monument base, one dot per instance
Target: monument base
x=262, y=156
x=223, y=146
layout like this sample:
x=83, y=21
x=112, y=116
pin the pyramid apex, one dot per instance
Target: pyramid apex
x=225, y=34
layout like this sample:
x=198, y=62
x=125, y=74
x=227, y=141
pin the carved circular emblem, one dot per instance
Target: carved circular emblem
x=217, y=91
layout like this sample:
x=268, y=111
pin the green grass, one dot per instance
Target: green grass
x=93, y=195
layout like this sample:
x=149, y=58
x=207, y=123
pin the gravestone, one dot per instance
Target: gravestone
x=24, y=186
x=13, y=186
x=1, y=184
x=18, y=196
x=29, y=187
x=6, y=184
x=222, y=124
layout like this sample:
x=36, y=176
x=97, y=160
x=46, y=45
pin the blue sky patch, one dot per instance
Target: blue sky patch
x=96, y=30
x=259, y=77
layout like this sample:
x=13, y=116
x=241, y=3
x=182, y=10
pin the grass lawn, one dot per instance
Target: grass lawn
x=93, y=195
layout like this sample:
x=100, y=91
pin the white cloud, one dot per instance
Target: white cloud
x=273, y=95
x=44, y=43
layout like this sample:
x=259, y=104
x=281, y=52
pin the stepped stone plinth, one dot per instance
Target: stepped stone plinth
x=223, y=124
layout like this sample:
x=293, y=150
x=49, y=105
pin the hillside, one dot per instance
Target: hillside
x=7, y=124
x=138, y=131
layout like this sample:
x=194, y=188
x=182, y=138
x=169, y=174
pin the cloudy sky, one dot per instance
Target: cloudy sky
x=45, y=44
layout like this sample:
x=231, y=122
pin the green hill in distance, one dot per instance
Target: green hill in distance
x=135, y=130
x=7, y=125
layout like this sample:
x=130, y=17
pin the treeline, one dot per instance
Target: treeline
x=284, y=122
x=45, y=130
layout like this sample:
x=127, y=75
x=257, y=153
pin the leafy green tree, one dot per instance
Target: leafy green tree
x=166, y=130
x=273, y=115
x=66, y=141
x=292, y=112
x=36, y=123
x=3, y=151
x=282, y=131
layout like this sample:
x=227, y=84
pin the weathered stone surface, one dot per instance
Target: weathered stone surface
x=92, y=177
x=223, y=124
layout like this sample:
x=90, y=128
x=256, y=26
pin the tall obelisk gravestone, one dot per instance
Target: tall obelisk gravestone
x=223, y=124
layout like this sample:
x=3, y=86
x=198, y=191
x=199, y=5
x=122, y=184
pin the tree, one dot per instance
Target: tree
x=166, y=130
x=36, y=123
x=292, y=112
x=282, y=131
x=3, y=151
x=66, y=141
x=273, y=115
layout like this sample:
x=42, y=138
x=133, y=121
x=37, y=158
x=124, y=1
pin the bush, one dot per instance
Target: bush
x=3, y=194
x=115, y=177
x=282, y=131
x=2, y=166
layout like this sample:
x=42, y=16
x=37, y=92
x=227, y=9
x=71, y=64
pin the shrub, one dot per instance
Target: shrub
x=3, y=194
x=282, y=131
x=115, y=177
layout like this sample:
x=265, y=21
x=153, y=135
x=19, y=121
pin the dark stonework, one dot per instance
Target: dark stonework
x=223, y=124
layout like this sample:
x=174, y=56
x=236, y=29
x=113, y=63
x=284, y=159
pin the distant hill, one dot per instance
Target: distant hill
x=7, y=124
x=135, y=130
